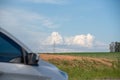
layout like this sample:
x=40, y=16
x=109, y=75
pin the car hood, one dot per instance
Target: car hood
x=50, y=70
x=44, y=71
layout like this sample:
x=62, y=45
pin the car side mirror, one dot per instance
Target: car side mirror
x=32, y=59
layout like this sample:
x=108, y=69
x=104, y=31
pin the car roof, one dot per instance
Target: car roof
x=15, y=39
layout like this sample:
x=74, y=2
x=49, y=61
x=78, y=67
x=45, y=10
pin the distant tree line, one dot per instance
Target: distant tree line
x=114, y=47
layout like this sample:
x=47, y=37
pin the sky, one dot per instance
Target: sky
x=62, y=25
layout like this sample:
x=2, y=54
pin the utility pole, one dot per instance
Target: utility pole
x=54, y=45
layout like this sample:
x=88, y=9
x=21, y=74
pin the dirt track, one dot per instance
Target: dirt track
x=103, y=61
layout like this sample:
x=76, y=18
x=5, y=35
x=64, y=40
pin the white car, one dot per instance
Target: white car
x=17, y=62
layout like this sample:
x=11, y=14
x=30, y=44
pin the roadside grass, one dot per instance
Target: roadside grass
x=89, y=70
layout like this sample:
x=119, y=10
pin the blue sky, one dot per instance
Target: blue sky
x=72, y=25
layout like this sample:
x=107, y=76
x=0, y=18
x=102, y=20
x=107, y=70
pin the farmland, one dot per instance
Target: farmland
x=87, y=66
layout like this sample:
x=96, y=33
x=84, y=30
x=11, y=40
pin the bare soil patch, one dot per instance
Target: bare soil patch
x=103, y=61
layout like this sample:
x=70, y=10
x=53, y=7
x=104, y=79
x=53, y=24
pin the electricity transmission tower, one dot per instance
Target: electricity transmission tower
x=54, y=47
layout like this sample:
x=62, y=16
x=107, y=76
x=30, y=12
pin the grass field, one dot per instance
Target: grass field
x=87, y=66
x=108, y=55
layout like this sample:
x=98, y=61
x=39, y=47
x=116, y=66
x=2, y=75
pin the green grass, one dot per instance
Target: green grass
x=108, y=55
x=85, y=70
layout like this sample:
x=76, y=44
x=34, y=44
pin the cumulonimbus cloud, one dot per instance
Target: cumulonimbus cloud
x=79, y=40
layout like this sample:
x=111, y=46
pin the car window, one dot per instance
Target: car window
x=8, y=49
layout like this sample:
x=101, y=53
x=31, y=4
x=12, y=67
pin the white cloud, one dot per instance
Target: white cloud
x=48, y=1
x=48, y=23
x=89, y=40
x=54, y=38
x=79, y=40
x=77, y=43
x=15, y=17
x=101, y=44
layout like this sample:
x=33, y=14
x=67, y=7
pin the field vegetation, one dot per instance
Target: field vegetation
x=87, y=66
